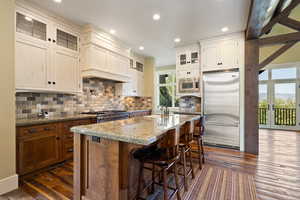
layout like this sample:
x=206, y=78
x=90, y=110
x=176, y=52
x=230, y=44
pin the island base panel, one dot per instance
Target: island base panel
x=96, y=168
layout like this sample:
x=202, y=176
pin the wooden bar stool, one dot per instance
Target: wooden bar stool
x=164, y=161
x=186, y=138
x=198, y=133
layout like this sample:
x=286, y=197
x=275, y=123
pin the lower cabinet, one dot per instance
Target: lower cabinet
x=37, y=148
x=40, y=146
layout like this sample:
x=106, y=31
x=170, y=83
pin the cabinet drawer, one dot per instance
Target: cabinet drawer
x=68, y=149
x=32, y=131
x=68, y=125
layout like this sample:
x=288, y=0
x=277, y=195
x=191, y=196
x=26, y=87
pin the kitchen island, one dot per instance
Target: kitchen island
x=104, y=168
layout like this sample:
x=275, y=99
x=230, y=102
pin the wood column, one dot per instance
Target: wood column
x=251, y=96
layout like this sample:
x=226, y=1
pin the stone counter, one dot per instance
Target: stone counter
x=138, y=130
x=36, y=121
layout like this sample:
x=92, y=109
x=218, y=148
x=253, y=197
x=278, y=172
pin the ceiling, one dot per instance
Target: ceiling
x=190, y=20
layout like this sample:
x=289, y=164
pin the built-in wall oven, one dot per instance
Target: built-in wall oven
x=189, y=85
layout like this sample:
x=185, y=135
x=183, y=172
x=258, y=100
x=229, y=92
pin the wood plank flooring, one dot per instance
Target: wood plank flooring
x=227, y=174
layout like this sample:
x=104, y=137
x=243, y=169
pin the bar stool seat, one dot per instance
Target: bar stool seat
x=198, y=133
x=164, y=161
x=185, y=153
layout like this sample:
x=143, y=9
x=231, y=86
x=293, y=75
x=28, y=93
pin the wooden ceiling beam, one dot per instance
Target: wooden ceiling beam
x=291, y=23
x=279, y=39
x=285, y=13
x=258, y=15
x=276, y=54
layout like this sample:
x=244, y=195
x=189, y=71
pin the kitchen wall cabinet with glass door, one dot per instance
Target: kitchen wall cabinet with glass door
x=135, y=86
x=47, y=54
x=187, y=57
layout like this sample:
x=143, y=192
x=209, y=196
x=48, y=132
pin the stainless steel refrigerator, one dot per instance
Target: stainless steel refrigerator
x=221, y=108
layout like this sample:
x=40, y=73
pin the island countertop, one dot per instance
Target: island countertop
x=139, y=130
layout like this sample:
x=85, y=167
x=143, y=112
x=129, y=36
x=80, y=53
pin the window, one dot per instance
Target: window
x=166, y=89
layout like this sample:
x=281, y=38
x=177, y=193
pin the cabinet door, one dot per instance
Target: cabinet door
x=65, y=71
x=210, y=56
x=134, y=83
x=140, y=84
x=229, y=54
x=32, y=53
x=38, y=152
x=32, y=64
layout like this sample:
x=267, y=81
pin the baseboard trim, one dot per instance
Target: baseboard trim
x=8, y=184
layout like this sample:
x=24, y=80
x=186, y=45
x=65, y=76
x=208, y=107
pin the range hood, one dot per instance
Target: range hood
x=94, y=73
x=103, y=56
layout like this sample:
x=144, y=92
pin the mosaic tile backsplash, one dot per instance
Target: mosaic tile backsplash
x=97, y=95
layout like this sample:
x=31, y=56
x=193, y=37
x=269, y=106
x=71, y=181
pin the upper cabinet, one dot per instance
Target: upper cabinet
x=103, y=56
x=222, y=53
x=188, y=70
x=187, y=57
x=135, y=86
x=47, y=54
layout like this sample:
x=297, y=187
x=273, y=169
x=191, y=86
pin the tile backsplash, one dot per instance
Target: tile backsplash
x=190, y=103
x=97, y=95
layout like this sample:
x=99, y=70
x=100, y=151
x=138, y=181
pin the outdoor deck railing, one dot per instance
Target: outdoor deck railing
x=282, y=116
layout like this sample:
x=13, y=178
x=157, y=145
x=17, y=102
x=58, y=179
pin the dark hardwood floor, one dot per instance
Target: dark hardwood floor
x=227, y=174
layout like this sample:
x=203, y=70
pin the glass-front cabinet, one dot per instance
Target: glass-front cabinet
x=188, y=58
x=29, y=26
x=47, y=56
x=67, y=40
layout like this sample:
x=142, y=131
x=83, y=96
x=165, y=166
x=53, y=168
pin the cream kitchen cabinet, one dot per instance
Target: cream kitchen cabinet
x=47, y=56
x=221, y=54
x=187, y=57
x=135, y=86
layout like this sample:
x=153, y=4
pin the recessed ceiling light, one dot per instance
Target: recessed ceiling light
x=156, y=17
x=112, y=31
x=177, y=40
x=28, y=18
x=141, y=48
x=225, y=29
x=57, y=1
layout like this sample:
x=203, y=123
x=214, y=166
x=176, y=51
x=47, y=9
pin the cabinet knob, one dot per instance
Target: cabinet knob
x=53, y=41
x=57, y=138
x=53, y=83
x=49, y=39
x=49, y=82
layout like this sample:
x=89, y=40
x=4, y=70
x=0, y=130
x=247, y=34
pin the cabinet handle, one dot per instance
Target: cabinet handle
x=47, y=129
x=70, y=150
x=33, y=130
x=57, y=138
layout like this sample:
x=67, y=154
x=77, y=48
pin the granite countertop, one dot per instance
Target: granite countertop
x=36, y=121
x=187, y=112
x=139, y=130
x=138, y=110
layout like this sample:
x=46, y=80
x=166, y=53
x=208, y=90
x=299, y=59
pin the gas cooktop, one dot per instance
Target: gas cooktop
x=109, y=115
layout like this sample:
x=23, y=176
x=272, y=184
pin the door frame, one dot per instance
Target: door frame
x=270, y=84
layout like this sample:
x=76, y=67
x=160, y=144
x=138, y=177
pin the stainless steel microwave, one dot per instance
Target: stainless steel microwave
x=189, y=85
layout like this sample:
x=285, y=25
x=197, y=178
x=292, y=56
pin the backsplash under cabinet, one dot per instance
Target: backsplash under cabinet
x=97, y=94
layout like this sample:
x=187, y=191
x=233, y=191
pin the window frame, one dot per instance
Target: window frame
x=158, y=85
